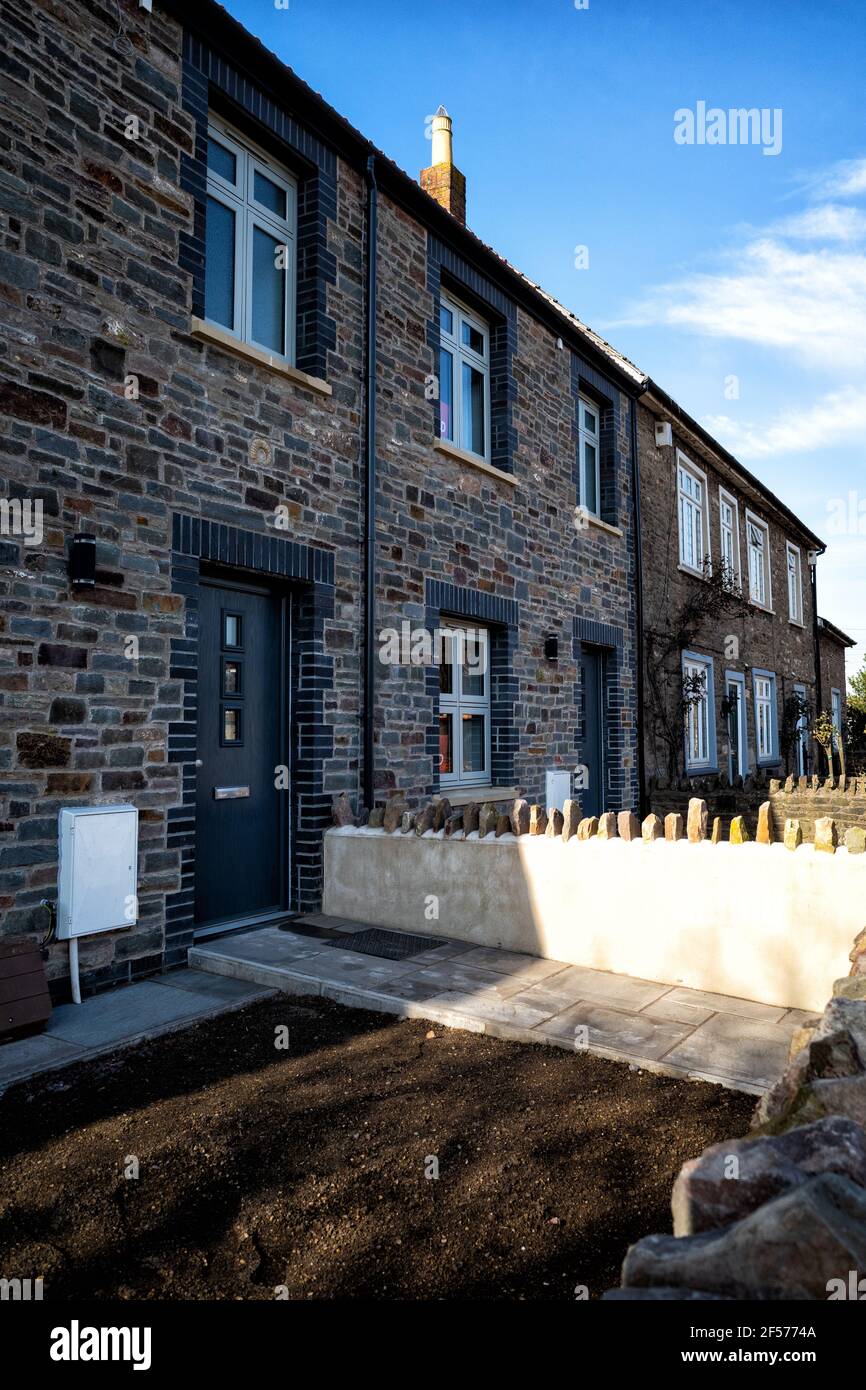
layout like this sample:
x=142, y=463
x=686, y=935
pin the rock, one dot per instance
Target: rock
x=855, y=840
x=341, y=810
x=425, y=819
x=441, y=812
x=733, y=1178
x=801, y=1037
x=674, y=826
x=407, y=822
x=503, y=825
x=825, y=1055
x=487, y=818
x=471, y=813
x=454, y=824
x=739, y=832
x=628, y=826
x=652, y=829
x=697, y=820
x=587, y=828
x=520, y=817
x=555, y=822
x=789, y=784
x=790, y=1248
x=607, y=826
x=570, y=819
x=850, y=987
x=826, y=835
x=537, y=820
x=857, y=954
x=793, y=834
x=394, y=813
x=765, y=824
x=376, y=818
x=716, y=837
x=844, y=1095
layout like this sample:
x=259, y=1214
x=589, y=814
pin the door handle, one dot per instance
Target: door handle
x=199, y=763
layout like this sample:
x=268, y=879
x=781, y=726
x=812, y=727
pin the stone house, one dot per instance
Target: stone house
x=269, y=409
x=833, y=644
x=730, y=631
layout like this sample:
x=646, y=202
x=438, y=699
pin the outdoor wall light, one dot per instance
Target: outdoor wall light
x=82, y=562
x=551, y=648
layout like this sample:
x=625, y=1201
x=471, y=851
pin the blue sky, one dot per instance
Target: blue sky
x=706, y=262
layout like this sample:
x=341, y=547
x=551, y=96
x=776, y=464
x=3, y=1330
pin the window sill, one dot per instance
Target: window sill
x=443, y=446
x=795, y=622
x=220, y=337
x=462, y=796
x=692, y=573
x=707, y=771
x=587, y=519
x=762, y=607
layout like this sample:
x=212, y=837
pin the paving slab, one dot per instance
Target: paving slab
x=634, y=1034
x=528, y=968
x=723, y=1004
x=27, y=1056
x=574, y=983
x=468, y=979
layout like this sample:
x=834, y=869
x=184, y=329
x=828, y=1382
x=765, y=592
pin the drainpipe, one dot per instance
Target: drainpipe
x=638, y=551
x=816, y=633
x=370, y=490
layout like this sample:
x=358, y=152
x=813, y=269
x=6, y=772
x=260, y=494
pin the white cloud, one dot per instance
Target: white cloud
x=811, y=304
x=837, y=417
x=847, y=179
x=827, y=222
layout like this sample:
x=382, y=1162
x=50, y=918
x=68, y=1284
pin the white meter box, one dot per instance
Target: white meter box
x=558, y=788
x=98, y=883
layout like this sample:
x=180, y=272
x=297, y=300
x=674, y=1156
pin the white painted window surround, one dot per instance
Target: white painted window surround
x=760, y=570
x=794, y=561
x=464, y=378
x=693, y=514
x=729, y=535
x=464, y=707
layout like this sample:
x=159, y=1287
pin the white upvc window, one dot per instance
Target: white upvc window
x=729, y=535
x=464, y=378
x=795, y=584
x=250, y=243
x=589, y=447
x=836, y=713
x=766, y=717
x=464, y=707
x=693, y=515
x=760, y=575
x=698, y=689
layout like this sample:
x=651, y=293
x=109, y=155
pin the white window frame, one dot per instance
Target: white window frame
x=795, y=596
x=765, y=602
x=457, y=704
x=727, y=499
x=699, y=510
x=701, y=718
x=738, y=679
x=766, y=700
x=836, y=710
x=239, y=198
x=585, y=436
x=460, y=353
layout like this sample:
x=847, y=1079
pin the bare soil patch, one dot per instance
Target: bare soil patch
x=306, y=1168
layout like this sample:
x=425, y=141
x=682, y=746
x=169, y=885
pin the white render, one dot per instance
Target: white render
x=753, y=921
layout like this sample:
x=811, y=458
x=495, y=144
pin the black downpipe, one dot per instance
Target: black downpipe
x=816, y=634
x=369, y=778
x=638, y=554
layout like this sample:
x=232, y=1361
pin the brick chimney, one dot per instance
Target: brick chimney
x=443, y=180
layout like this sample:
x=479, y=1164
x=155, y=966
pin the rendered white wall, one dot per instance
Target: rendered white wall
x=752, y=921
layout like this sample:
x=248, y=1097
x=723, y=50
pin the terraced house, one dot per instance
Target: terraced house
x=268, y=403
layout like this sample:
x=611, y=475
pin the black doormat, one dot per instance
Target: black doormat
x=391, y=945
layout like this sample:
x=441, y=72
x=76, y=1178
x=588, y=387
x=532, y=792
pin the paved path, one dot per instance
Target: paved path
x=121, y=1017
x=681, y=1032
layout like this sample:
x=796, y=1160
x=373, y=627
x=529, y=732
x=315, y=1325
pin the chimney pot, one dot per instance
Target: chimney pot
x=443, y=180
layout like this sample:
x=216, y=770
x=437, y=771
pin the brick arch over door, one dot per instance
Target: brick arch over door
x=311, y=574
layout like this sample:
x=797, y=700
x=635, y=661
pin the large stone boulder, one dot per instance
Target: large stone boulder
x=425, y=819
x=628, y=826
x=341, y=810
x=487, y=819
x=733, y=1178
x=394, y=812
x=697, y=820
x=607, y=826
x=571, y=815
x=673, y=826
x=652, y=829
x=555, y=823
x=520, y=817
x=471, y=812
x=790, y=1248
x=587, y=828
x=537, y=820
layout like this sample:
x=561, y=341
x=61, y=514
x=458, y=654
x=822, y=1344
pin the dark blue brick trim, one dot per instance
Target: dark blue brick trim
x=599, y=634
x=206, y=72
x=613, y=503
x=195, y=540
x=501, y=313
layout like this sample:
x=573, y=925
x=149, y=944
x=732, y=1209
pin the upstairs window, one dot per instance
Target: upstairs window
x=590, y=455
x=729, y=535
x=250, y=244
x=760, y=588
x=464, y=378
x=795, y=585
x=694, y=523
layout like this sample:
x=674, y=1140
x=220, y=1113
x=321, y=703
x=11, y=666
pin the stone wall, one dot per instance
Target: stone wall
x=177, y=453
x=804, y=800
x=782, y=1213
x=661, y=901
x=740, y=641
